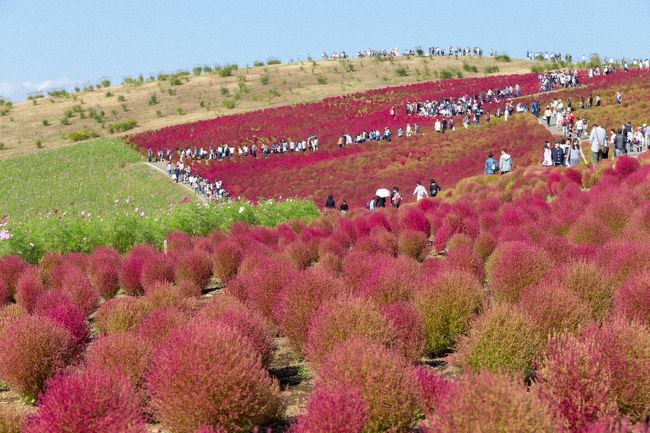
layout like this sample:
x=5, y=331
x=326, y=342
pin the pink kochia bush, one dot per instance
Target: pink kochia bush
x=33, y=350
x=126, y=353
x=156, y=270
x=194, y=267
x=633, y=298
x=131, y=269
x=298, y=301
x=433, y=389
x=10, y=269
x=412, y=243
x=383, y=378
x=489, y=402
x=408, y=329
x=208, y=374
x=4, y=292
x=121, y=314
x=226, y=259
x=156, y=326
x=89, y=400
x=342, y=319
x=76, y=285
x=103, y=271
x=61, y=310
x=29, y=288
x=336, y=410
x=599, y=374
x=513, y=266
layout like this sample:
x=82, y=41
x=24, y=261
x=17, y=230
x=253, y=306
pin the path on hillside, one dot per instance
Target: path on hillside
x=184, y=185
x=555, y=130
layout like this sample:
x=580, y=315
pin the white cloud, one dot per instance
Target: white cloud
x=7, y=89
x=43, y=86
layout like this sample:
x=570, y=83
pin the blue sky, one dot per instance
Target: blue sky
x=48, y=44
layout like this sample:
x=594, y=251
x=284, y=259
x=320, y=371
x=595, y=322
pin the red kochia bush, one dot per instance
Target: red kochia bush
x=126, y=353
x=263, y=284
x=75, y=283
x=65, y=313
x=433, y=388
x=89, y=400
x=178, y=241
x=4, y=292
x=103, y=271
x=29, y=288
x=156, y=270
x=299, y=254
x=194, y=267
x=490, y=402
x=210, y=376
x=383, y=378
x=514, y=266
x=633, y=298
x=412, y=243
x=10, y=269
x=390, y=280
x=413, y=218
x=131, y=268
x=157, y=325
x=121, y=314
x=33, y=349
x=298, y=301
x=336, y=410
x=226, y=259
x=344, y=318
x=585, y=377
x=408, y=329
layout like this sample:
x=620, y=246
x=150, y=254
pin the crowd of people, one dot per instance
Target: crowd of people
x=182, y=173
x=459, y=51
x=549, y=56
x=456, y=51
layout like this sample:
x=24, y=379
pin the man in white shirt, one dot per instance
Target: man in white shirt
x=598, y=139
x=420, y=192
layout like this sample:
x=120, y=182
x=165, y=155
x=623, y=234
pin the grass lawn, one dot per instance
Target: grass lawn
x=88, y=177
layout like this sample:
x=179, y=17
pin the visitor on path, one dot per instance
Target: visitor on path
x=598, y=139
x=547, y=115
x=575, y=153
x=396, y=198
x=547, y=159
x=420, y=192
x=505, y=162
x=619, y=143
x=557, y=155
x=434, y=188
x=330, y=203
x=344, y=206
x=490, y=165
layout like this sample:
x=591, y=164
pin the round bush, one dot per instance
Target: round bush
x=383, y=378
x=158, y=269
x=490, y=403
x=341, y=319
x=156, y=325
x=588, y=281
x=126, y=353
x=585, y=376
x=33, y=350
x=4, y=292
x=103, y=271
x=10, y=269
x=62, y=311
x=412, y=243
x=11, y=421
x=485, y=244
x=514, y=266
x=464, y=258
x=433, y=389
x=446, y=305
x=76, y=285
x=408, y=329
x=633, y=298
x=501, y=338
x=336, y=410
x=554, y=308
x=131, y=269
x=195, y=267
x=121, y=314
x=226, y=259
x=299, y=254
x=210, y=376
x=413, y=218
x=390, y=280
x=178, y=241
x=89, y=400
x=29, y=288
x=263, y=284
x=298, y=301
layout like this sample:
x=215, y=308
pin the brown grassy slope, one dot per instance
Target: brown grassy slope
x=287, y=84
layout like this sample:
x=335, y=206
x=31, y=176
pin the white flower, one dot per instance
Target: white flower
x=241, y=209
x=4, y=235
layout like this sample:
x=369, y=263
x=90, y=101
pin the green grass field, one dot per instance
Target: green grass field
x=87, y=177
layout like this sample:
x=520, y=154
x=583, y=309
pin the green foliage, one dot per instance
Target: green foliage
x=537, y=69
x=401, y=72
x=446, y=74
x=491, y=69
x=273, y=62
x=121, y=98
x=257, y=64
x=228, y=103
x=122, y=126
x=321, y=80
x=82, y=134
x=243, y=88
x=45, y=122
x=39, y=143
x=2, y=146
x=264, y=79
x=224, y=91
x=180, y=111
x=419, y=51
x=105, y=83
x=153, y=100
x=227, y=70
x=274, y=93
x=62, y=93
x=175, y=81
x=108, y=94
x=503, y=58
x=469, y=68
x=594, y=61
x=197, y=70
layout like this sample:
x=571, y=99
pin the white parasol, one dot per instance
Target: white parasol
x=383, y=193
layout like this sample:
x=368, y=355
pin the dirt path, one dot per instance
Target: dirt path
x=184, y=185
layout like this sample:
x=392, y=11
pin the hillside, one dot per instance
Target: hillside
x=47, y=122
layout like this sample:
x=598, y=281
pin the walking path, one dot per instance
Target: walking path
x=184, y=185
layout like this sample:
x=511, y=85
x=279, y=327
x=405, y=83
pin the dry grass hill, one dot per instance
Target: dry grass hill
x=151, y=103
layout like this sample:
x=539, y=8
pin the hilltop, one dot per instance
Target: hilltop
x=142, y=104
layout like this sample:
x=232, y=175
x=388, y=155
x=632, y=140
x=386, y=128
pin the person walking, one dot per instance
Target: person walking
x=598, y=139
x=619, y=143
x=344, y=206
x=547, y=160
x=396, y=198
x=420, y=192
x=575, y=153
x=490, y=165
x=557, y=155
x=434, y=188
x=547, y=115
x=330, y=203
x=505, y=162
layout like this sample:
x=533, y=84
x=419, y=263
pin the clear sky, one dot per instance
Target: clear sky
x=46, y=44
